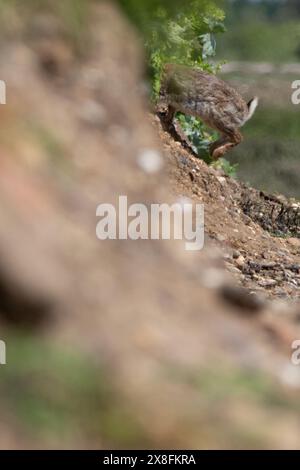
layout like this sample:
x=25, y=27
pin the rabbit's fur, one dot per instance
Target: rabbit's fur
x=200, y=94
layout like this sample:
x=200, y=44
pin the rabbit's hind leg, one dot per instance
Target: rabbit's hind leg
x=229, y=140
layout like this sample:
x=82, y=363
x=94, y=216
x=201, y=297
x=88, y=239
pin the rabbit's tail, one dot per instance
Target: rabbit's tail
x=252, y=105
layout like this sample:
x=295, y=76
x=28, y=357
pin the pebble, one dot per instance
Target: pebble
x=233, y=269
x=236, y=254
x=240, y=261
x=270, y=265
x=221, y=238
x=221, y=180
x=267, y=282
x=294, y=242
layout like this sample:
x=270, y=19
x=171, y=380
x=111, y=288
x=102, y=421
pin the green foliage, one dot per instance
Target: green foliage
x=200, y=138
x=186, y=38
x=182, y=33
x=198, y=134
x=176, y=31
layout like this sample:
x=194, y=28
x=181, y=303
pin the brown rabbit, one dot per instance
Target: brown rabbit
x=200, y=94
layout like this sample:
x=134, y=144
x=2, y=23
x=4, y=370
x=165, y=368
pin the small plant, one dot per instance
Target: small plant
x=181, y=33
x=198, y=134
x=226, y=166
x=186, y=37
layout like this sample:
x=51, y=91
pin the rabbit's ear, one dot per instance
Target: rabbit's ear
x=252, y=105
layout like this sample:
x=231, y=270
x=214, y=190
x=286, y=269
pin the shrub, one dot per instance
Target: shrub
x=182, y=33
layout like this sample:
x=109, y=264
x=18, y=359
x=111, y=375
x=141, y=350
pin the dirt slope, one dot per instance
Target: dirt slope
x=259, y=234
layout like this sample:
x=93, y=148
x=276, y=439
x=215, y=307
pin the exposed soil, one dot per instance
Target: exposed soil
x=259, y=233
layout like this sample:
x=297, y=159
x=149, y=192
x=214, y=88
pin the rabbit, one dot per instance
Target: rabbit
x=196, y=93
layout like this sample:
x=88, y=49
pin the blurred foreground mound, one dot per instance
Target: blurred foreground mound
x=117, y=343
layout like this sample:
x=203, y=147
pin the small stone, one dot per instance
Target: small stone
x=221, y=180
x=240, y=261
x=236, y=254
x=294, y=242
x=270, y=265
x=255, y=267
x=295, y=267
x=283, y=252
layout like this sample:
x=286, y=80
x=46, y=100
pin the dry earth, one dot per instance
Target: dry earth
x=259, y=233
